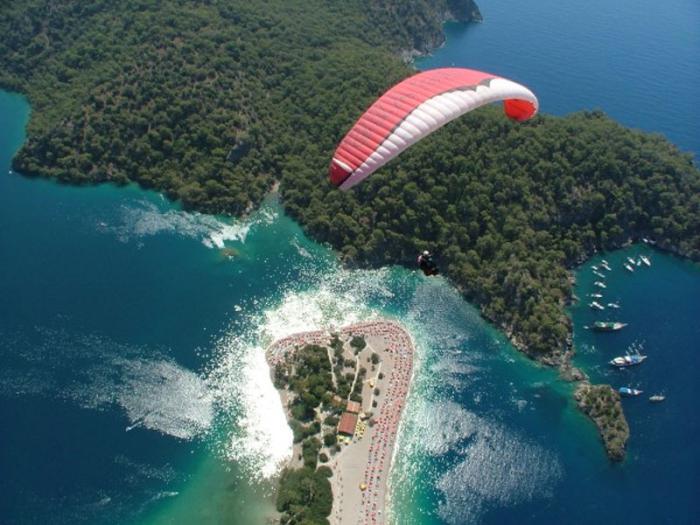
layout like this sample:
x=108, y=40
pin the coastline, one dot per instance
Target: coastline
x=362, y=468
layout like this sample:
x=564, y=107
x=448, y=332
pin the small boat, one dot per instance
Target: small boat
x=627, y=360
x=645, y=260
x=628, y=267
x=629, y=392
x=601, y=275
x=594, y=267
x=631, y=261
x=613, y=305
x=645, y=240
x=596, y=295
x=608, y=326
x=638, y=262
x=606, y=266
x=596, y=306
x=657, y=398
x=599, y=284
x=603, y=262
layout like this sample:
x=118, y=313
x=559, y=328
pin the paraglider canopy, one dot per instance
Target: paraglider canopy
x=413, y=109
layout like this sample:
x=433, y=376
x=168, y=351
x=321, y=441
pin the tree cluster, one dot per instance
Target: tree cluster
x=305, y=496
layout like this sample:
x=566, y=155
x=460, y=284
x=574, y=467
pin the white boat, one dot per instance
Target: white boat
x=608, y=326
x=628, y=267
x=627, y=391
x=645, y=260
x=596, y=306
x=596, y=295
x=606, y=266
x=638, y=262
x=613, y=305
x=601, y=275
x=630, y=260
x=594, y=267
x=657, y=398
x=627, y=360
x=599, y=284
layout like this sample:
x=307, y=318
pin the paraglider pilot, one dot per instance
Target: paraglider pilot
x=427, y=264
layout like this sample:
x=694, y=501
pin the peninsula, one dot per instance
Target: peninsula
x=602, y=404
x=343, y=393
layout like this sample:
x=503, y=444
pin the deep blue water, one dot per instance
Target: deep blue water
x=131, y=389
x=637, y=60
x=661, y=306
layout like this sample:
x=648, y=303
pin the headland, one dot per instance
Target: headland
x=343, y=392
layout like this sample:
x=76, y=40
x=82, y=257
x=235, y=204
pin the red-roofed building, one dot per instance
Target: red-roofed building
x=347, y=424
x=354, y=407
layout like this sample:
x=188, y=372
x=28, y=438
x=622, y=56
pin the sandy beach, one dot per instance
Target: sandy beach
x=361, y=469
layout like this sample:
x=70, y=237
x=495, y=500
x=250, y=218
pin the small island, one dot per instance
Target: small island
x=602, y=404
x=343, y=393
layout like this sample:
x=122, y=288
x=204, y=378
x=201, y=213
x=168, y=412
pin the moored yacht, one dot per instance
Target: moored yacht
x=629, y=392
x=608, y=326
x=627, y=360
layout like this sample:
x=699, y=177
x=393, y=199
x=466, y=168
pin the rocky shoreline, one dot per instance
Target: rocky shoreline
x=602, y=404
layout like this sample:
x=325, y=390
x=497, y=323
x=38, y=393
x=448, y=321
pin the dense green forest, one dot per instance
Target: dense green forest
x=212, y=102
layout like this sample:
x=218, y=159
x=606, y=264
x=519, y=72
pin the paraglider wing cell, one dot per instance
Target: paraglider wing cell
x=416, y=107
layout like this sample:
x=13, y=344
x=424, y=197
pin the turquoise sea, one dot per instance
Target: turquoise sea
x=132, y=384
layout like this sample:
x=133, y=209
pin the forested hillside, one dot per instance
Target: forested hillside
x=212, y=102
x=508, y=208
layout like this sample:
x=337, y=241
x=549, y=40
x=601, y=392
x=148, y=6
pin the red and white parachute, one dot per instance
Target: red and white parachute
x=416, y=107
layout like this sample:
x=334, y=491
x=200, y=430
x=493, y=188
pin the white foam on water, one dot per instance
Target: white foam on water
x=261, y=440
x=229, y=232
x=142, y=218
x=300, y=249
